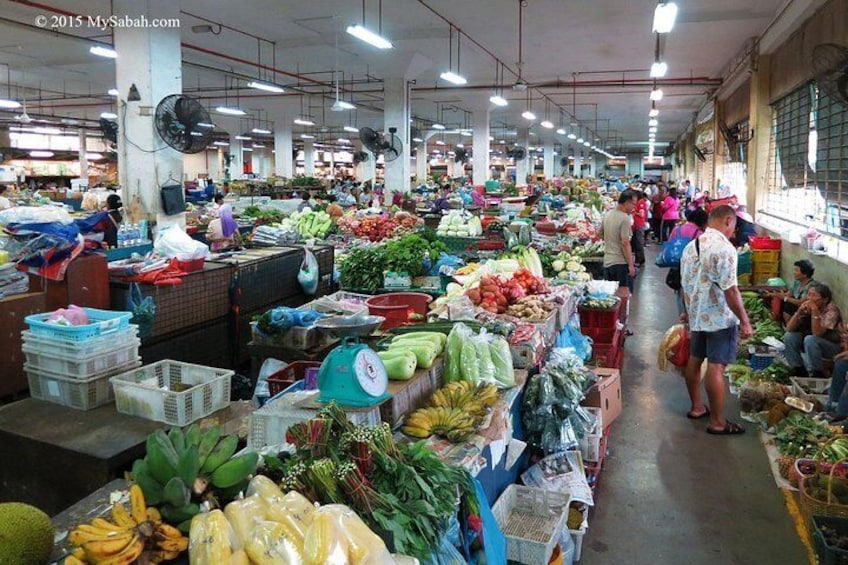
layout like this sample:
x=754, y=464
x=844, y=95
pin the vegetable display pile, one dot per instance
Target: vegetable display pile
x=263, y=216
x=567, y=267
x=478, y=358
x=799, y=435
x=594, y=303
x=760, y=316
x=379, y=228
x=528, y=258
x=310, y=224
x=589, y=249
x=532, y=308
x=455, y=225
x=363, y=267
x=496, y=293
x=411, y=351
x=454, y=411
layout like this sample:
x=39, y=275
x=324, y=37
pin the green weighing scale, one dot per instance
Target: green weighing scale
x=352, y=374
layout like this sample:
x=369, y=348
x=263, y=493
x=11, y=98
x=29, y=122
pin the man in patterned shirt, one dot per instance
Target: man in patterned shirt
x=715, y=315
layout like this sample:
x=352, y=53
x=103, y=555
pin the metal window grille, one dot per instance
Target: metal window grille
x=831, y=161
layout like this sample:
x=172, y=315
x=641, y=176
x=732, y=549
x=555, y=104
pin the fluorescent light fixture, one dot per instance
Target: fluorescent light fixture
x=498, y=100
x=653, y=113
x=656, y=94
x=417, y=139
x=351, y=129
x=460, y=145
x=343, y=140
x=113, y=92
x=44, y=154
x=196, y=134
x=502, y=141
x=659, y=69
x=342, y=105
x=246, y=149
x=267, y=87
x=439, y=142
x=664, y=16
x=206, y=125
x=466, y=133
x=261, y=131
x=572, y=136
x=579, y=140
x=9, y=104
x=304, y=122
x=109, y=116
x=652, y=129
x=47, y=131
x=258, y=146
x=438, y=126
x=230, y=111
x=221, y=143
x=101, y=51
x=528, y=115
x=369, y=37
x=547, y=124
x=306, y=136
x=586, y=143
x=653, y=122
x=94, y=156
x=244, y=137
x=453, y=78
x=560, y=131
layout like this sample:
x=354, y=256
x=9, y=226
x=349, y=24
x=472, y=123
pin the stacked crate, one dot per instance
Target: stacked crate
x=765, y=259
x=71, y=365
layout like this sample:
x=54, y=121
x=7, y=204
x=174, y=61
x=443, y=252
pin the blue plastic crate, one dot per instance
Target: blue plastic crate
x=102, y=322
x=760, y=362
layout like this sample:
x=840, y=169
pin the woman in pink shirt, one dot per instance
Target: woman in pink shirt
x=670, y=213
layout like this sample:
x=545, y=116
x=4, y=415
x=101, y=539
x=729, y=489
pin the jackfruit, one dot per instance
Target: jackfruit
x=26, y=535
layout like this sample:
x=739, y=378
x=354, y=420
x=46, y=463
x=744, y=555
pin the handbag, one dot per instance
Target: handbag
x=671, y=252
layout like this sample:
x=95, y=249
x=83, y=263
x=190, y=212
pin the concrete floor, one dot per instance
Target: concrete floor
x=669, y=492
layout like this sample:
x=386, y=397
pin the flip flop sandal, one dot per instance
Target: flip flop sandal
x=704, y=414
x=729, y=429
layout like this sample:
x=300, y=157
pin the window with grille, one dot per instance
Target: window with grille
x=830, y=161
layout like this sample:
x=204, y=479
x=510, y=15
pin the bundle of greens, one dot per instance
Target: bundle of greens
x=363, y=268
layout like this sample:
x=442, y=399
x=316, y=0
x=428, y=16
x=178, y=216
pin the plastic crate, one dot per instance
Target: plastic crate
x=191, y=265
x=818, y=388
x=601, y=336
x=268, y=424
x=81, y=349
x=458, y=244
x=81, y=367
x=607, y=354
x=532, y=521
x=102, y=322
x=295, y=371
x=82, y=394
x=765, y=257
x=149, y=392
x=592, y=318
x=760, y=360
x=829, y=554
x=758, y=243
x=762, y=276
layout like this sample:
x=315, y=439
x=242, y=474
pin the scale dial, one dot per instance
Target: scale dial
x=370, y=372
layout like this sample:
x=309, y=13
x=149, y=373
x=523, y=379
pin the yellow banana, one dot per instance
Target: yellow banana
x=72, y=560
x=169, y=531
x=121, y=517
x=98, y=550
x=416, y=432
x=137, y=505
x=107, y=525
x=79, y=553
x=173, y=544
x=128, y=555
x=153, y=515
x=86, y=533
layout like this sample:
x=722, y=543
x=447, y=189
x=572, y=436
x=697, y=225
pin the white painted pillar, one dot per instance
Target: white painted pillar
x=283, y=160
x=522, y=167
x=480, y=125
x=396, y=115
x=308, y=157
x=219, y=155
x=549, y=161
x=421, y=159
x=578, y=162
x=237, y=165
x=592, y=170
x=150, y=58
x=83, y=160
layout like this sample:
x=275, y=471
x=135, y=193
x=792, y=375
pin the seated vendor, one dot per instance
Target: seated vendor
x=814, y=329
x=441, y=203
x=794, y=297
x=222, y=232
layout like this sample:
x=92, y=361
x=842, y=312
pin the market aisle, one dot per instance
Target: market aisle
x=671, y=493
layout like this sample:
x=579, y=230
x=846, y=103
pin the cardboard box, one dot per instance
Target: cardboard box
x=606, y=394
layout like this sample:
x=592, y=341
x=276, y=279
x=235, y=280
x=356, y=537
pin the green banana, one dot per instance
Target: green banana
x=208, y=442
x=177, y=440
x=174, y=515
x=222, y=452
x=192, y=436
x=151, y=488
x=176, y=492
x=161, y=458
x=185, y=526
x=235, y=470
x=189, y=466
x=233, y=491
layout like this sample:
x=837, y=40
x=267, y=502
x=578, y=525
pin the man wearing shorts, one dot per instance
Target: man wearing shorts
x=617, y=232
x=715, y=316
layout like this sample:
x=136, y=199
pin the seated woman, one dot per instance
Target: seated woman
x=792, y=299
x=837, y=401
x=814, y=329
x=222, y=232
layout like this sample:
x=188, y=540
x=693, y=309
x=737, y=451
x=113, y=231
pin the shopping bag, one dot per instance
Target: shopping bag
x=671, y=252
x=679, y=355
x=308, y=274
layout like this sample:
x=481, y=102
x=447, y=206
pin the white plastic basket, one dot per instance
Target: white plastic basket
x=578, y=534
x=82, y=394
x=532, y=520
x=268, y=424
x=80, y=368
x=154, y=391
x=818, y=388
x=81, y=349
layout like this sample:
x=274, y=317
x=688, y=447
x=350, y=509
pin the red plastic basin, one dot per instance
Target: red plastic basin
x=397, y=307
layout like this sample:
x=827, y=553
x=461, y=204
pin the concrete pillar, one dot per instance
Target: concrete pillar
x=480, y=125
x=150, y=58
x=396, y=115
x=237, y=164
x=549, y=161
x=283, y=160
x=421, y=159
x=634, y=164
x=578, y=162
x=219, y=155
x=592, y=170
x=83, y=160
x=758, y=147
x=523, y=166
x=309, y=157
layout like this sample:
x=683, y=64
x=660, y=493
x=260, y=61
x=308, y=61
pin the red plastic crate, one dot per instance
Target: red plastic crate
x=284, y=378
x=609, y=355
x=601, y=336
x=764, y=242
x=590, y=318
x=192, y=265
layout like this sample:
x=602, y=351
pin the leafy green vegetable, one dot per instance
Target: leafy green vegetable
x=363, y=268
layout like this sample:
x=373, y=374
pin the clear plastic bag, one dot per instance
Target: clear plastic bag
x=453, y=360
x=173, y=242
x=308, y=274
x=502, y=361
x=559, y=436
x=484, y=358
x=469, y=367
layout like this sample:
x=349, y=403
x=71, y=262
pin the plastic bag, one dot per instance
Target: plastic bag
x=453, y=352
x=484, y=359
x=71, y=316
x=261, y=392
x=308, y=274
x=143, y=310
x=667, y=348
x=671, y=252
x=174, y=242
x=502, y=361
x=35, y=215
x=680, y=351
x=559, y=437
x=468, y=364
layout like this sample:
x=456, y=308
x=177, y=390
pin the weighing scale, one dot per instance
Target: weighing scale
x=352, y=374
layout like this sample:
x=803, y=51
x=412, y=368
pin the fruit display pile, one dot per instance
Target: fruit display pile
x=380, y=227
x=497, y=293
x=455, y=411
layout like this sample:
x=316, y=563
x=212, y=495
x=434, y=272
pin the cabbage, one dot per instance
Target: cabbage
x=558, y=266
x=573, y=266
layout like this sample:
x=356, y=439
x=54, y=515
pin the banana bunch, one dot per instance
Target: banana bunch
x=452, y=423
x=135, y=534
x=180, y=467
x=473, y=398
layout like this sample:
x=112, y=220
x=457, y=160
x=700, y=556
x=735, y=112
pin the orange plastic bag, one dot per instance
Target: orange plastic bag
x=679, y=352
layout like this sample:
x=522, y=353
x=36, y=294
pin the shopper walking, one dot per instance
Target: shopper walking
x=816, y=328
x=616, y=233
x=715, y=314
x=670, y=214
x=640, y=221
x=657, y=199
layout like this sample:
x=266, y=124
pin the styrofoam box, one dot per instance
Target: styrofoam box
x=80, y=368
x=82, y=394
